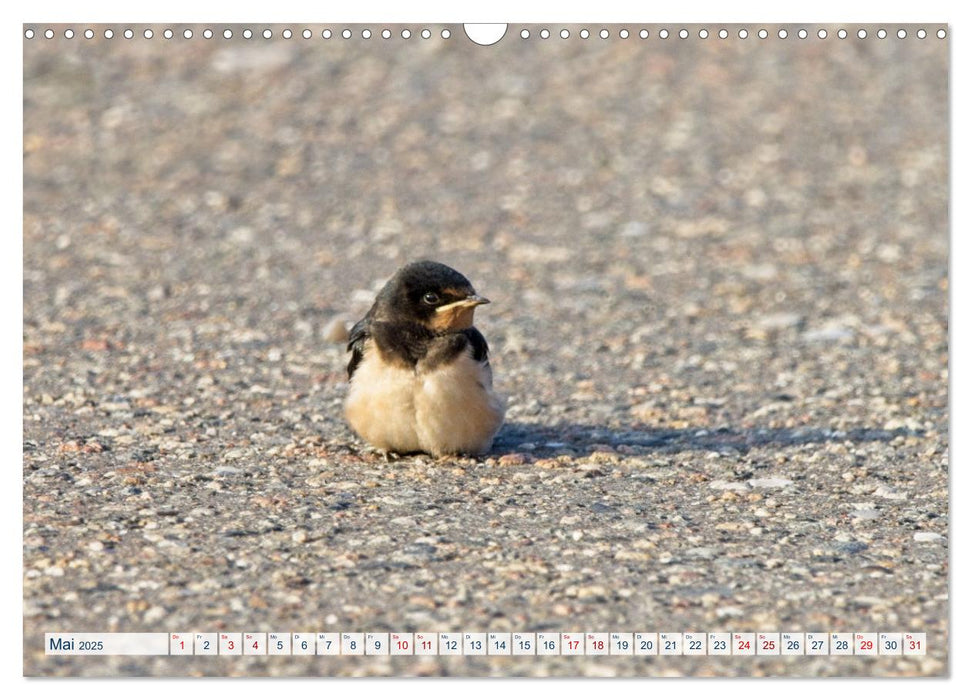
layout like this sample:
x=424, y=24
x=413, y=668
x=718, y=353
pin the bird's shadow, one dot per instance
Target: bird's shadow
x=582, y=439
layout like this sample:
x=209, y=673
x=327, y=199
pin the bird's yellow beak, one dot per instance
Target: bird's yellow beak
x=457, y=316
x=471, y=300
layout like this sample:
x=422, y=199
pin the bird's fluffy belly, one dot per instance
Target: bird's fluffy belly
x=447, y=410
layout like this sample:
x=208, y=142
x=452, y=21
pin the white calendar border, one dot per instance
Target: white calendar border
x=499, y=10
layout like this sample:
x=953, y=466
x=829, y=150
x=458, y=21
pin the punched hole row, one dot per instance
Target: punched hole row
x=544, y=33
x=742, y=33
x=31, y=33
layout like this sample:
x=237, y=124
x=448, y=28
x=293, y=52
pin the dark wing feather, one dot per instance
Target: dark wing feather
x=359, y=335
x=480, y=348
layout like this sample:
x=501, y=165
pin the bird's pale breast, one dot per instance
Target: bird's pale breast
x=447, y=409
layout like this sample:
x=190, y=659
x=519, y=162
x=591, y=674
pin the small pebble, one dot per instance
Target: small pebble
x=335, y=330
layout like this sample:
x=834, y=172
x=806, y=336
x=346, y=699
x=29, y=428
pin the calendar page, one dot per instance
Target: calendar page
x=542, y=349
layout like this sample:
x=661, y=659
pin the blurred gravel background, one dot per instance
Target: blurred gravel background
x=719, y=277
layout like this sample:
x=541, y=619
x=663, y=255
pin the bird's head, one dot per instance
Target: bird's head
x=431, y=294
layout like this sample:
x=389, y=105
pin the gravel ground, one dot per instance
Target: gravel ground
x=719, y=273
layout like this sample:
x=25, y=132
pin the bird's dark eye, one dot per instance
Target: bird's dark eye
x=431, y=298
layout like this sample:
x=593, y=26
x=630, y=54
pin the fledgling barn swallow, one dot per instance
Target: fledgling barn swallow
x=420, y=379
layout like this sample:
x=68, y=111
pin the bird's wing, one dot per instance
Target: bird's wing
x=480, y=353
x=359, y=335
x=480, y=348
